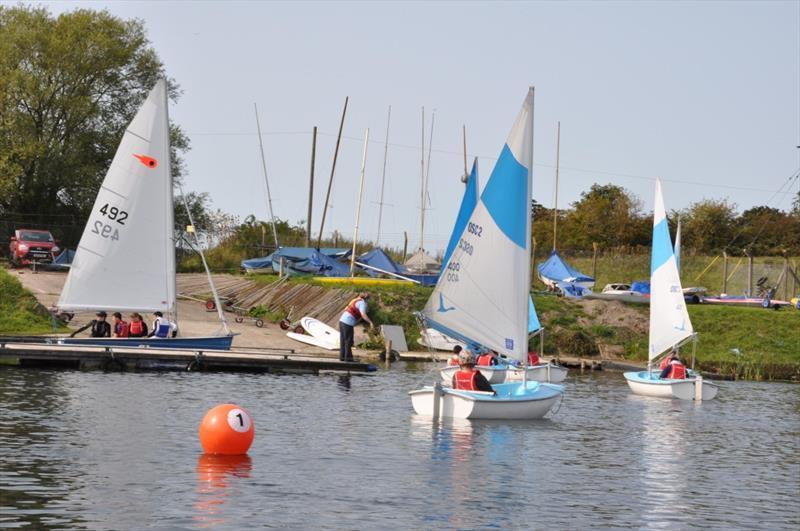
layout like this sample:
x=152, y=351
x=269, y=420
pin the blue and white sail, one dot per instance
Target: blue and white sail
x=468, y=203
x=483, y=294
x=678, y=245
x=669, y=320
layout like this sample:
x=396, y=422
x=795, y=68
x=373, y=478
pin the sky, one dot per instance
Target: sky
x=705, y=95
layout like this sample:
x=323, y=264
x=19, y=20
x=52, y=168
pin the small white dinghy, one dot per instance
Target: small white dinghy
x=669, y=321
x=483, y=294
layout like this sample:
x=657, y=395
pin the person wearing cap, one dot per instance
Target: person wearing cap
x=675, y=369
x=468, y=378
x=163, y=327
x=100, y=328
x=355, y=311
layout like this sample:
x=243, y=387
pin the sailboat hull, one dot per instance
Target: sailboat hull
x=649, y=384
x=190, y=343
x=545, y=372
x=512, y=402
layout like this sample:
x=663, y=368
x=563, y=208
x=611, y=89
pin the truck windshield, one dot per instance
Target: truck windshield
x=29, y=236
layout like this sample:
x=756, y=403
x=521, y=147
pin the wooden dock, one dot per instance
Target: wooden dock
x=44, y=355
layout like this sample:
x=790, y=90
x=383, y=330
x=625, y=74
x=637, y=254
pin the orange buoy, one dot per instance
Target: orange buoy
x=227, y=429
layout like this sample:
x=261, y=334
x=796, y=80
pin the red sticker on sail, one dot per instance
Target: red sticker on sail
x=150, y=162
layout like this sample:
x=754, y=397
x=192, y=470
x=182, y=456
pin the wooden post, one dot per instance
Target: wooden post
x=333, y=169
x=749, y=273
x=785, y=276
x=405, y=246
x=794, y=279
x=311, y=185
x=594, y=260
x=724, y=272
x=388, y=353
x=335, y=239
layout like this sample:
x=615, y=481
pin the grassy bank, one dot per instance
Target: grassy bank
x=750, y=343
x=20, y=313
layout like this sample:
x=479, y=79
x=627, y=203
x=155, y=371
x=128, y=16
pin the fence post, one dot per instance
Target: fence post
x=388, y=353
x=725, y=272
x=594, y=260
x=785, y=276
x=405, y=246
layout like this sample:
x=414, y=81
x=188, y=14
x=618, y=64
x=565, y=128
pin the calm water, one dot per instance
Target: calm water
x=88, y=450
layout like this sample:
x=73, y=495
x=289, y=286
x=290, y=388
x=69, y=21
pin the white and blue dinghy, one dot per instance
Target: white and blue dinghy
x=483, y=296
x=670, y=326
x=126, y=256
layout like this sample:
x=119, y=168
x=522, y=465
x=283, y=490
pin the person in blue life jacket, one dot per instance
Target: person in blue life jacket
x=355, y=311
x=675, y=369
x=468, y=378
x=163, y=328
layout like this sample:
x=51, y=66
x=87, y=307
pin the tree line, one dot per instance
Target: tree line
x=612, y=218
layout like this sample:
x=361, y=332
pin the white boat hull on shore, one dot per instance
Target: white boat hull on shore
x=512, y=402
x=649, y=384
x=544, y=372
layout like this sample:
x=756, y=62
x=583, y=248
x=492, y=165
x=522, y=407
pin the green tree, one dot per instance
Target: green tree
x=708, y=226
x=69, y=85
x=608, y=215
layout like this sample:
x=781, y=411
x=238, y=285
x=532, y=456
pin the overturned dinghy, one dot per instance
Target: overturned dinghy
x=483, y=295
x=670, y=326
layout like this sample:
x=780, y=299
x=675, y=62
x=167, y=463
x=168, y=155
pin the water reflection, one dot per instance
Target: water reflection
x=216, y=476
x=344, y=382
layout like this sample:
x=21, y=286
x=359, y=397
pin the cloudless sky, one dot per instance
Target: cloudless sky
x=704, y=94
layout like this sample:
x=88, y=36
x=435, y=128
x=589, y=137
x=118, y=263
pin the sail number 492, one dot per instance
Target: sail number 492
x=114, y=214
x=106, y=231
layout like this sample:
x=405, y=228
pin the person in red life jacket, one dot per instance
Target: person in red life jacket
x=488, y=358
x=120, y=326
x=667, y=359
x=100, y=327
x=675, y=369
x=533, y=359
x=137, y=327
x=454, y=359
x=355, y=311
x=468, y=378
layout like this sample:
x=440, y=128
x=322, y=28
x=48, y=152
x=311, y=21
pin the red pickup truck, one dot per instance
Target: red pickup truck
x=29, y=245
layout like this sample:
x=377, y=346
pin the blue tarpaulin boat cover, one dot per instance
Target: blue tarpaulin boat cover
x=295, y=257
x=567, y=278
x=379, y=259
x=62, y=261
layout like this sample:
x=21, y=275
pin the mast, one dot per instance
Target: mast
x=333, y=169
x=422, y=185
x=266, y=180
x=555, y=199
x=311, y=185
x=427, y=174
x=383, y=176
x=171, y=287
x=528, y=229
x=465, y=178
x=217, y=302
x=358, y=208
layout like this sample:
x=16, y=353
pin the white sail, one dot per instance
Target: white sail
x=126, y=256
x=669, y=320
x=483, y=292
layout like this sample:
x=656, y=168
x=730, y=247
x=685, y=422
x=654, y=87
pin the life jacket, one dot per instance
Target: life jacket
x=161, y=327
x=352, y=309
x=465, y=380
x=135, y=329
x=677, y=370
x=485, y=359
x=664, y=363
x=121, y=329
x=533, y=358
x=453, y=360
